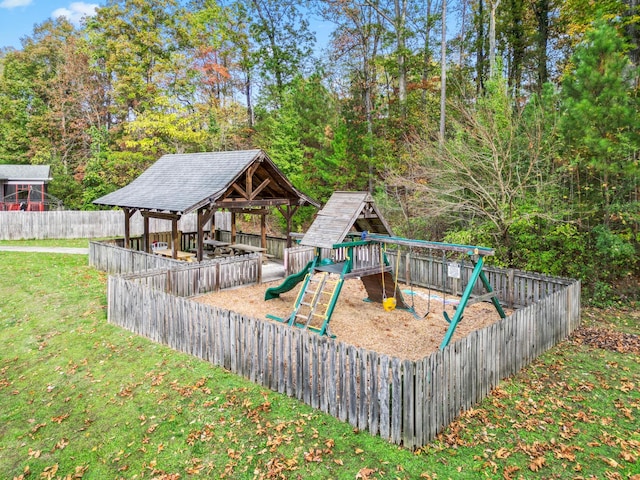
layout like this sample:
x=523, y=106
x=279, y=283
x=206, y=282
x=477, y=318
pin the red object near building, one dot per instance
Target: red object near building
x=24, y=187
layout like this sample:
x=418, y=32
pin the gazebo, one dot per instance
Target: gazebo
x=245, y=182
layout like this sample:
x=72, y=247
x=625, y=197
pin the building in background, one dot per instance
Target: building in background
x=24, y=187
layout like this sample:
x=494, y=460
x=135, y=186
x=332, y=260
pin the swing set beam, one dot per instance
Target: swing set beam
x=453, y=247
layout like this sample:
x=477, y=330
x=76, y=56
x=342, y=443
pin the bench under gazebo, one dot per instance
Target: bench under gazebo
x=242, y=182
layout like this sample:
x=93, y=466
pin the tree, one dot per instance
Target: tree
x=487, y=176
x=601, y=128
x=297, y=135
x=356, y=44
x=282, y=44
x=51, y=97
x=395, y=13
x=135, y=44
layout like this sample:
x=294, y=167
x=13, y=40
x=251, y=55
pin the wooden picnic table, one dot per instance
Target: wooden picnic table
x=240, y=248
x=167, y=252
x=210, y=242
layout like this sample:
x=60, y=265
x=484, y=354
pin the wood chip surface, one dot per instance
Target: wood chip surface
x=365, y=324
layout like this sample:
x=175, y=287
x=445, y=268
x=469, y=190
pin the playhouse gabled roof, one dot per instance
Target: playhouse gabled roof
x=343, y=213
x=26, y=173
x=181, y=183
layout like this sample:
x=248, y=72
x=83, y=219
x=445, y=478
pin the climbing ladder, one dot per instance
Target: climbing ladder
x=316, y=301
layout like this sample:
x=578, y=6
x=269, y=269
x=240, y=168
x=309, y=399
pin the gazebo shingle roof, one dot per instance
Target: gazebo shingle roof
x=183, y=182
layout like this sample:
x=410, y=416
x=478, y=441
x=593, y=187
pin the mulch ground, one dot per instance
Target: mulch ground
x=367, y=325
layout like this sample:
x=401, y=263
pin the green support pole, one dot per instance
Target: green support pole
x=453, y=323
x=494, y=300
x=334, y=299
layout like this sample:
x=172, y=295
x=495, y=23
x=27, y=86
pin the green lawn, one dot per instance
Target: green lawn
x=80, y=398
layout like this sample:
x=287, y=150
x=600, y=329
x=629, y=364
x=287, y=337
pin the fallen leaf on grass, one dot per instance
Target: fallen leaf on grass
x=61, y=445
x=611, y=462
x=49, y=472
x=537, y=463
x=503, y=453
x=364, y=473
x=60, y=418
x=508, y=471
x=314, y=455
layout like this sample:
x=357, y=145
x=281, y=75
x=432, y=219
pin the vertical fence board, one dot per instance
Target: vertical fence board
x=396, y=400
x=384, y=399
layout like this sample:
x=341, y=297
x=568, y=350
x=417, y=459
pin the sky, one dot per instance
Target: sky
x=17, y=17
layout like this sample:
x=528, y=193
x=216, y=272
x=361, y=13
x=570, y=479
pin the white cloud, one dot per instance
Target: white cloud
x=76, y=11
x=14, y=3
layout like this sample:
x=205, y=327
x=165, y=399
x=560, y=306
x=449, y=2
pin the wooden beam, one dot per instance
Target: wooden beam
x=250, y=211
x=202, y=219
x=175, y=240
x=160, y=215
x=145, y=234
x=127, y=227
x=263, y=231
x=261, y=187
x=249, y=179
x=233, y=227
x=238, y=189
x=236, y=203
x=288, y=214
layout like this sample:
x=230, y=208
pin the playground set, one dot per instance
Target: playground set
x=350, y=239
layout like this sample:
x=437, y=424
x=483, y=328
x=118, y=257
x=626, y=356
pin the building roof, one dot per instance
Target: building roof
x=343, y=213
x=27, y=173
x=181, y=183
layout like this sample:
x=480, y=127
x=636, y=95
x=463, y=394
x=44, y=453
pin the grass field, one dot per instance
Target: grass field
x=80, y=398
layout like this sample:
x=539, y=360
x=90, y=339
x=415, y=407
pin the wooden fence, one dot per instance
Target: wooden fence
x=110, y=257
x=405, y=402
x=21, y=225
x=189, y=279
x=275, y=245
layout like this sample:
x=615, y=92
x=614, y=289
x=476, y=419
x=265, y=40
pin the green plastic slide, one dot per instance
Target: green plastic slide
x=289, y=282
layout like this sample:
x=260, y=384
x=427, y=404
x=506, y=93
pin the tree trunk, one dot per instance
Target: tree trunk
x=480, y=48
x=401, y=12
x=443, y=71
x=493, y=4
x=426, y=53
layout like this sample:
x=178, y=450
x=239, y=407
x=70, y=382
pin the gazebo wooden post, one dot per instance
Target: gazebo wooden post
x=204, y=215
x=145, y=233
x=288, y=212
x=127, y=227
x=174, y=238
x=200, y=233
x=263, y=230
x=233, y=227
